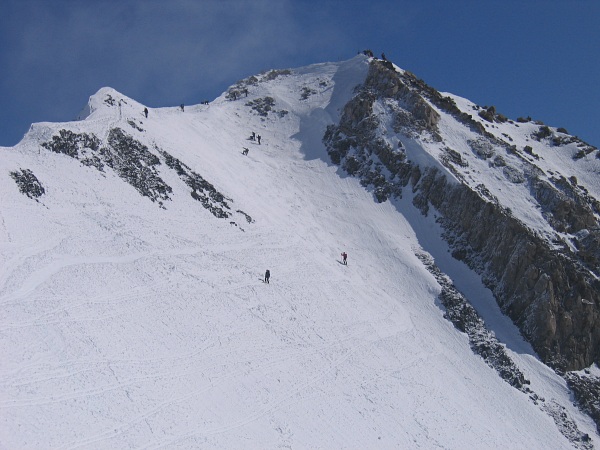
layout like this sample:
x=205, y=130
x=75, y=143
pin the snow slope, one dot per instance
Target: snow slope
x=124, y=324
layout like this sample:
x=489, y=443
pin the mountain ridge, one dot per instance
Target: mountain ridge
x=532, y=202
x=168, y=244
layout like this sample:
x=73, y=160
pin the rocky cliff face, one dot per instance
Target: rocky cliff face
x=549, y=287
x=135, y=164
x=546, y=291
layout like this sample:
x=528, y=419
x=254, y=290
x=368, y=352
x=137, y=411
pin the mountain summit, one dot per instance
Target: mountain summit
x=135, y=242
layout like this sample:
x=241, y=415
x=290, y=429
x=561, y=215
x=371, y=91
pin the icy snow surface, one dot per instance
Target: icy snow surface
x=125, y=325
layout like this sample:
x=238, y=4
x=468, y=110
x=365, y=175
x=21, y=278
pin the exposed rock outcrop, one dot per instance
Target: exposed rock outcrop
x=550, y=292
x=202, y=190
x=586, y=388
x=540, y=287
x=484, y=343
x=264, y=105
x=135, y=164
x=28, y=183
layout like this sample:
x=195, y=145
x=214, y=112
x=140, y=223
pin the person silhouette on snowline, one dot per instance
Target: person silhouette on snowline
x=146, y=112
x=267, y=276
x=344, y=257
x=258, y=137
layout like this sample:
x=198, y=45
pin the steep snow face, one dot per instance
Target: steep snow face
x=134, y=311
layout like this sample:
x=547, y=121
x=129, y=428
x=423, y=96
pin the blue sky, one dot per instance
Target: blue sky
x=527, y=57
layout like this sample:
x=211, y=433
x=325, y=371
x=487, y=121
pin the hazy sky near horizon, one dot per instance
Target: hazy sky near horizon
x=538, y=58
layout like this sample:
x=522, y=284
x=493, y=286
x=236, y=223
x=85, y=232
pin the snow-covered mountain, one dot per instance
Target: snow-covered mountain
x=135, y=312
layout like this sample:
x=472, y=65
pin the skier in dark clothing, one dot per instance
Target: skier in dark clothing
x=182, y=107
x=267, y=276
x=146, y=112
x=245, y=151
x=344, y=257
x=258, y=137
